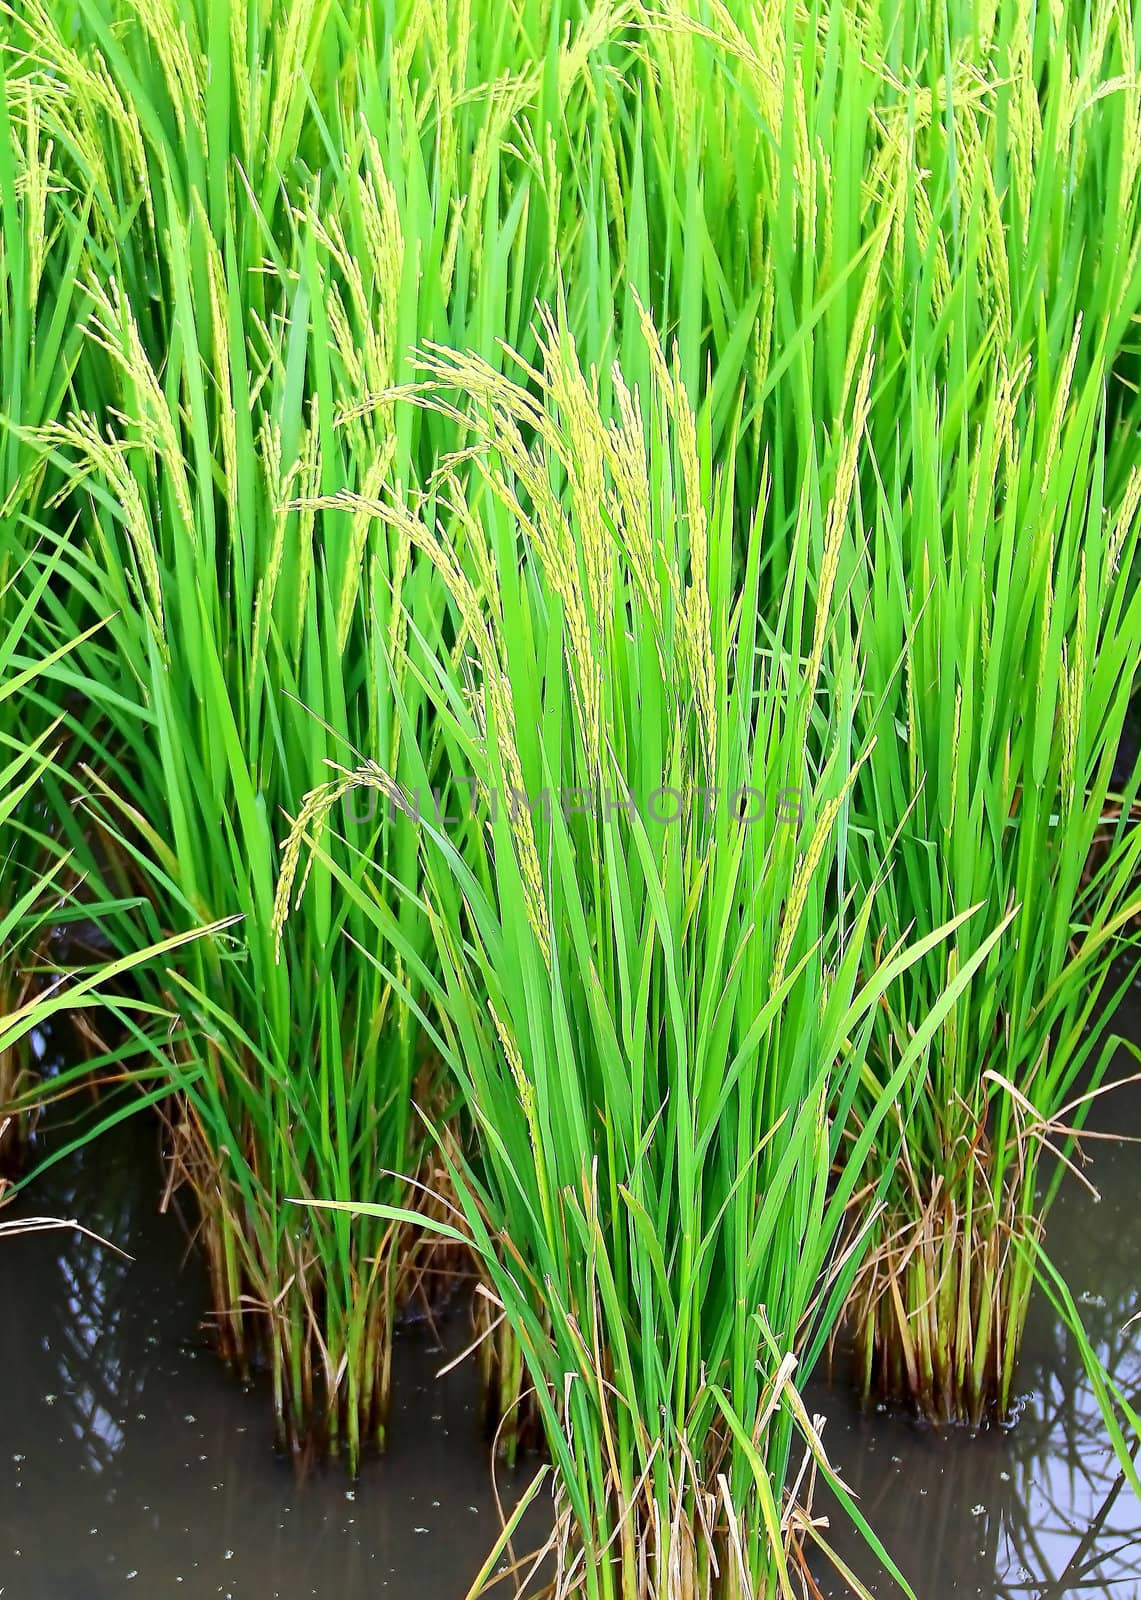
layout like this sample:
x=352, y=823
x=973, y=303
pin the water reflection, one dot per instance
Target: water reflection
x=79, y=1365
x=1076, y=1524
x=98, y=1380
x=128, y=1457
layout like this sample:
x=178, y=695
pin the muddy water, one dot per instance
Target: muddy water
x=132, y=1466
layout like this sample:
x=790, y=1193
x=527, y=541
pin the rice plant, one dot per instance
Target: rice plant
x=1001, y=573
x=876, y=181
x=231, y=319
x=645, y=988
x=295, y=1073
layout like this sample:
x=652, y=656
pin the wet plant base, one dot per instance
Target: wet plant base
x=328, y=1358
x=511, y=1420
x=939, y=1310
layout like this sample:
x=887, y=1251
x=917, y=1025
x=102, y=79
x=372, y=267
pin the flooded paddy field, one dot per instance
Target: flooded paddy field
x=132, y=1464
